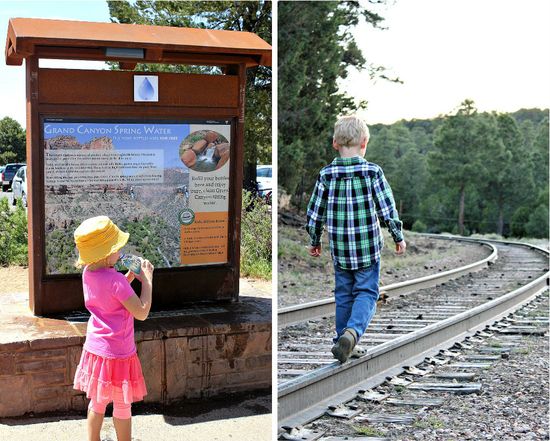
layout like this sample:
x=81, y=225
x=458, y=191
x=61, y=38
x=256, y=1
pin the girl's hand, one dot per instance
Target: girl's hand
x=146, y=273
x=130, y=276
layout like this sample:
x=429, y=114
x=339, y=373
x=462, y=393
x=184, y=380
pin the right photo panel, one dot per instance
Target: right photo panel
x=413, y=221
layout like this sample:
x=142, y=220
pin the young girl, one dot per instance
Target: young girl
x=109, y=369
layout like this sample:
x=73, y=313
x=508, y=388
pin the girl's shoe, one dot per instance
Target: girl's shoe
x=343, y=347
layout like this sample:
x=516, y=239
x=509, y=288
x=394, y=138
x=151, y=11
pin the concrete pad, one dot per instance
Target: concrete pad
x=243, y=418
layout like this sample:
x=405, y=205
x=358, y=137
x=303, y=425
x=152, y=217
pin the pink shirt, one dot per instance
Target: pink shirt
x=111, y=327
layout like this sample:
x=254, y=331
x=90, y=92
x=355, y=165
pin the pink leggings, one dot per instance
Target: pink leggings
x=121, y=410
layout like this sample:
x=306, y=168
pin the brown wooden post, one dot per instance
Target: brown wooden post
x=35, y=249
x=237, y=182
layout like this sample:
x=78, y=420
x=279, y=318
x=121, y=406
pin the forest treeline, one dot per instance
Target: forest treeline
x=465, y=172
x=469, y=172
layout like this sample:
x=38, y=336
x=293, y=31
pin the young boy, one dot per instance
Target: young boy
x=350, y=196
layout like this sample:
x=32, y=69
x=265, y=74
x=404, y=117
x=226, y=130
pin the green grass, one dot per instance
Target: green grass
x=494, y=343
x=534, y=313
x=367, y=431
x=429, y=423
x=289, y=248
x=524, y=350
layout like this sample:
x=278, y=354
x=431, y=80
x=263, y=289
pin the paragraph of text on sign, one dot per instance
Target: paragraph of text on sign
x=85, y=167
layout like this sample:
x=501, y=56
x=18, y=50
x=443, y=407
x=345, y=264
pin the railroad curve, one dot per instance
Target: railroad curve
x=405, y=330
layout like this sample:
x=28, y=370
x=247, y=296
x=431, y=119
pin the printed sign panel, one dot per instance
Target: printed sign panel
x=166, y=183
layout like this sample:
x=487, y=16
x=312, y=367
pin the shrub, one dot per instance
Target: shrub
x=255, y=237
x=538, y=223
x=13, y=234
x=419, y=226
x=519, y=220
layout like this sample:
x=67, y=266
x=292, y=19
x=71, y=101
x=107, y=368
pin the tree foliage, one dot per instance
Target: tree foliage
x=486, y=160
x=12, y=141
x=256, y=237
x=222, y=15
x=316, y=49
x=13, y=234
x=498, y=162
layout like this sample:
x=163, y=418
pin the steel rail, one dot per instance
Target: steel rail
x=325, y=307
x=306, y=398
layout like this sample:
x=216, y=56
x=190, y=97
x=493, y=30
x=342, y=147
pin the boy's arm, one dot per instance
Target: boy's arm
x=385, y=207
x=317, y=213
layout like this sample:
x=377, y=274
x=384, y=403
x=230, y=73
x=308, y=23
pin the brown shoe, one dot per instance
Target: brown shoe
x=345, y=344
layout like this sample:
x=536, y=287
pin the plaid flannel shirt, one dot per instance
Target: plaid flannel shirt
x=350, y=197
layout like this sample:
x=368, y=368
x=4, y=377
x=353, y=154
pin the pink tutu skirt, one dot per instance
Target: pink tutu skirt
x=97, y=376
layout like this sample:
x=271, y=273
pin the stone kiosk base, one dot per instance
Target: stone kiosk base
x=200, y=351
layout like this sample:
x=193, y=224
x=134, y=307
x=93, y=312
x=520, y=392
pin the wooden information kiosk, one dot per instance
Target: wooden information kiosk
x=159, y=153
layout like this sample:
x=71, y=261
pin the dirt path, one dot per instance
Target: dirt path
x=14, y=279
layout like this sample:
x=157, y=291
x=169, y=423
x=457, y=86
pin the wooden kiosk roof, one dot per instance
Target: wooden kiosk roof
x=82, y=40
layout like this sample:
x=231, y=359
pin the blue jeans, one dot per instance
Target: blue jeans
x=356, y=293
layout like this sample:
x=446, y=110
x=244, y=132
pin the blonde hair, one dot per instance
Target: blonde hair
x=99, y=264
x=93, y=266
x=350, y=131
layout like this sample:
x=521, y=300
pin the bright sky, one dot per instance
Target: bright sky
x=496, y=52
x=12, y=78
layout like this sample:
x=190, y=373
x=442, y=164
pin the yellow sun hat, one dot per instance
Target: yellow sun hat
x=97, y=238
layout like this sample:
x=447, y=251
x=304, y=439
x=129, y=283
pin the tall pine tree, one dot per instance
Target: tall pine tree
x=457, y=160
x=316, y=49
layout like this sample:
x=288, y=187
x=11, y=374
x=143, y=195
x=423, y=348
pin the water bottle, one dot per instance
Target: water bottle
x=133, y=263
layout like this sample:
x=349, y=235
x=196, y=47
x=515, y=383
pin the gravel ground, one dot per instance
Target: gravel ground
x=243, y=417
x=304, y=279
x=14, y=279
x=315, y=336
x=513, y=403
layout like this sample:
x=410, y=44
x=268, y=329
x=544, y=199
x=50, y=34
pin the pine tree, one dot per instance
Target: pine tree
x=316, y=48
x=457, y=160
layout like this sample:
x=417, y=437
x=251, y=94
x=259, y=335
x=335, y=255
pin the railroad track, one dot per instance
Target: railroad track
x=405, y=331
x=299, y=313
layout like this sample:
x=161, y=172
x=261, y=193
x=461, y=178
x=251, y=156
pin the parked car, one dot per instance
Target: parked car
x=19, y=186
x=264, y=180
x=7, y=175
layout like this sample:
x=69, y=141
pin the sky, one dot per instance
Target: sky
x=495, y=52
x=12, y=78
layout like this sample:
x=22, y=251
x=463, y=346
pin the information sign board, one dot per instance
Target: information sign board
x=164, y=182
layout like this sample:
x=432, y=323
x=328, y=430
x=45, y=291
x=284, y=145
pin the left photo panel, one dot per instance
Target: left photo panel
x=136, y=232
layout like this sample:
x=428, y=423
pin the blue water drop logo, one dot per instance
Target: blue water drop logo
x=146, y=90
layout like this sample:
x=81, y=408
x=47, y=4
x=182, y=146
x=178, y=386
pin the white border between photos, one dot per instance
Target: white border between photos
x=274, y=213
